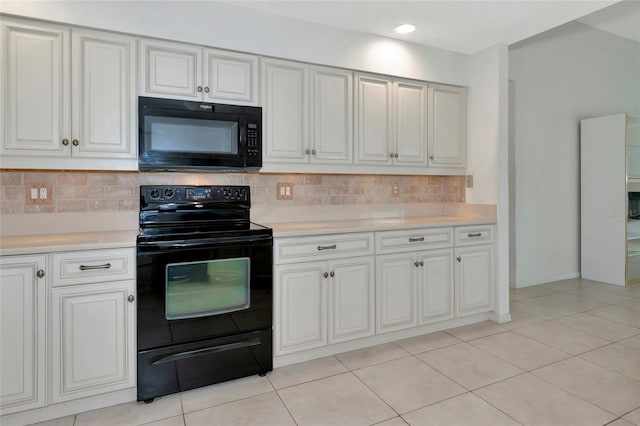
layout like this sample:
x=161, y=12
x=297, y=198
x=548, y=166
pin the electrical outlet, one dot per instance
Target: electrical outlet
x=284, y=191
x=39, y=193
x=395, y=190
x=469, y=181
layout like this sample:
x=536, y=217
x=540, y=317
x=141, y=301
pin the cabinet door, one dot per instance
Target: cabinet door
x=285, y=110
x=447, y=123
x=22, y=333
x=35, y=89
x=230, y=77
x=411, y=124
x=300, y=307
x=104, y=102
x=331, y=115
x=474, y=279
x=351, y=299
x=396, y=292
x=170, y=70
x=374, y=120
x=436, y=286
x=92, y=335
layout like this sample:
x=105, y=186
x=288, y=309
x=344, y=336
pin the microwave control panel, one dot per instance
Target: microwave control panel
x=253, y=144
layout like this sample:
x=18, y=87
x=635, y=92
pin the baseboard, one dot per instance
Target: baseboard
x=501, y=319
x=547, y=279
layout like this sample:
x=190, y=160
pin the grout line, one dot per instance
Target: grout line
x=286, y=407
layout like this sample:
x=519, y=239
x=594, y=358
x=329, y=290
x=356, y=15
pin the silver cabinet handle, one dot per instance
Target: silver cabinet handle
x=90, y=267
x=332, y=274
x=40, y=273
x=131, y=298
x=416, y=240
x=477, y=234
x=75, y=142
x=332, y=247
x=206, y=89
x=459, y=259
x=431, y=157
x=199, y=88
x=326, y=275
x=308, y=151
x=65, y=142
x=313, y=151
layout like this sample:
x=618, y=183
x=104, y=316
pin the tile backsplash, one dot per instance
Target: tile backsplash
x=118, y=191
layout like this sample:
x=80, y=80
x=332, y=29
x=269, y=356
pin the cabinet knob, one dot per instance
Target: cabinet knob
x=391, y=155
x=40, y=273
x=422, y=263
x=332, y=274
x=75, y=142
x=65, y=142
x=199, y=89
x=313, y=151
x=459, y=259
x=206, y=89
x=308, y=151
x=131, y=298
x=326, y=275
x=417, y=264
x=395, y=155
x=431, y=157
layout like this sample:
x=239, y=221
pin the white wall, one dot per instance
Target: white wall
x=232, y=27
x=487, y=153
x=561, y=76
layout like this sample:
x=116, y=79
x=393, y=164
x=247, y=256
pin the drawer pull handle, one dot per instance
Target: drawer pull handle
x=332, y=247
x=415, y=240
x=90, y=267
x=477, y=234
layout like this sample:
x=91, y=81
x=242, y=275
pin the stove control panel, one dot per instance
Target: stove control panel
x=182, y=193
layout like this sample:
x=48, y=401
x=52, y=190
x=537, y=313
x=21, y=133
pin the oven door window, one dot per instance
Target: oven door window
x=192, y=135
x=198, y=289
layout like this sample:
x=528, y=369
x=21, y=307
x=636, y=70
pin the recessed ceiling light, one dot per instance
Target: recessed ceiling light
x=405, y=28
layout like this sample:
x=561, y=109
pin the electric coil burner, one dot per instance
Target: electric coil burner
x=204, y=289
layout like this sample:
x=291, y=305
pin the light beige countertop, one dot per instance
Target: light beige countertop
x=297, y=229
x=47, y=243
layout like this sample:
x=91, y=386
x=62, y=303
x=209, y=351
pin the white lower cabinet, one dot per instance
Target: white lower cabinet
x=22, y=333
x=85, y=302
x=414, y=289
x=92, y=339
x=474, y=279
x=320, y=303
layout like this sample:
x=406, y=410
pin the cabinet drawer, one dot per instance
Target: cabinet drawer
x=302, y=249
x=472, y=235
x=413, y=239
x=92, y=266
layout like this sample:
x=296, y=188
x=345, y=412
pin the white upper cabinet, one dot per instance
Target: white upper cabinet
x=231, y=77
x=170, y=70
x=447, y=122
x=285, y=111
x=183, y=71
x=35, y=89
x=411, y=124
x=88, y=122
x=374, y=120
x=331, y=115
x=391, y=122
x=103, y=95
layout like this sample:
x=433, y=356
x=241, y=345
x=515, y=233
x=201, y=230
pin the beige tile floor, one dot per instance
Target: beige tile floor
x=570, y=356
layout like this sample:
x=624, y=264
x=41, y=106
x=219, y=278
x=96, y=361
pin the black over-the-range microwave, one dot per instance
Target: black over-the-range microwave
x=187, y=135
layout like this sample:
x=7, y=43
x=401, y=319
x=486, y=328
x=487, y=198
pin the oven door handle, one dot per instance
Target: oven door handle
x=208, y=242
x=205, y=351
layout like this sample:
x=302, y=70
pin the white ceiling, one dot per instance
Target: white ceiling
x=461, y=26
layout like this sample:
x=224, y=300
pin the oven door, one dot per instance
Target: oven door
x=190, y=291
